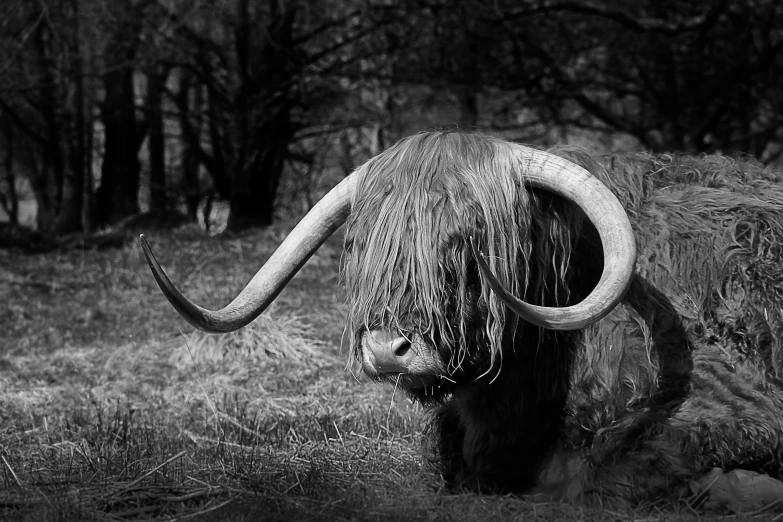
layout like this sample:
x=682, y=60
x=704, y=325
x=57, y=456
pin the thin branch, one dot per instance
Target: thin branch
x=20, y=123
x=634, y=22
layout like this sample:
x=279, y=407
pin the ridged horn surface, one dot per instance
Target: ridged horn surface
x=558, y=175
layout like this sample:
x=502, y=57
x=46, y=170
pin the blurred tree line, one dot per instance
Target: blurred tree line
x=104, y=103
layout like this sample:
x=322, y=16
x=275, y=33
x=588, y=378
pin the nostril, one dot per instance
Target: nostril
x=401, y=348
x=387, y=353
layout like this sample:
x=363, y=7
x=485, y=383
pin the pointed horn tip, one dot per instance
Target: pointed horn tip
x=157, y=271
x=145, y=247
x=165, y=284
x=186, y=309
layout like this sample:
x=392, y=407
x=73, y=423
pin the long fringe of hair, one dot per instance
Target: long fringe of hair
x=408, y=263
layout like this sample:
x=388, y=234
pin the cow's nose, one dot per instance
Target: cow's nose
x=388, y=353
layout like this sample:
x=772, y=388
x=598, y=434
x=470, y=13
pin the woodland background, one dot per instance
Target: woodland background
x=175, y=108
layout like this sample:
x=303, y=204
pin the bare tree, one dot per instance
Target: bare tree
x=674, y=75
x=267, y=70
x=42, y=97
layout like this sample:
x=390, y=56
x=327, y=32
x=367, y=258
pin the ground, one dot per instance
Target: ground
x=112, y=408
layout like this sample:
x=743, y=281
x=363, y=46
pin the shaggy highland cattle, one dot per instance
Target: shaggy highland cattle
x=596, y=328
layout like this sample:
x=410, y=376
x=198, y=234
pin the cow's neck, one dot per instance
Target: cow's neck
x=511, y=420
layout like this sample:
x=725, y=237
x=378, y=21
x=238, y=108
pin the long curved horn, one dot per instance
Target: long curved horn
x=320, y=223
x=558, y=175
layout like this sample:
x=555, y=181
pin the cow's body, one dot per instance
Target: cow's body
x=448, y=233
x=686, y=374
x=681, y=378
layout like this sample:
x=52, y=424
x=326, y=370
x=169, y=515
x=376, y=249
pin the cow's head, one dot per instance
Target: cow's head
x=438, y=242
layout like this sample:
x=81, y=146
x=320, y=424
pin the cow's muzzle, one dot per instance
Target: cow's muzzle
x=386, y=353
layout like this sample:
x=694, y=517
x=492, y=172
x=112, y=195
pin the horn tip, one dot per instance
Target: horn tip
x=145, y=247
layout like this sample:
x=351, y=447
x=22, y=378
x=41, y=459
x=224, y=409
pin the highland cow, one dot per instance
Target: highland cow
x=501, y=287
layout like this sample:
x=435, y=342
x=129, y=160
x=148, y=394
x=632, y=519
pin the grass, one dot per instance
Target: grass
x=112, y=408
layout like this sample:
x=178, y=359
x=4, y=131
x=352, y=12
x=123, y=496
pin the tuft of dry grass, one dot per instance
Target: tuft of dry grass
x=109, y=412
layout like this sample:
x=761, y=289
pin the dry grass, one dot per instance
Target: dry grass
x=109, y=412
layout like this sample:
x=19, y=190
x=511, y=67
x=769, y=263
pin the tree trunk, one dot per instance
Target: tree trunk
x=59, y=191
x=10, y=199
x=117, y=197
x=219, y=171
x=256, y=179
x=88, y=195
x=190, y=141
x=80, y=153
x=157, y=142
x=84, y=121
x=263, y=117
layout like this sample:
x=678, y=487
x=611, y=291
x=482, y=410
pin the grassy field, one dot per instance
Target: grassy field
x=112, y=408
